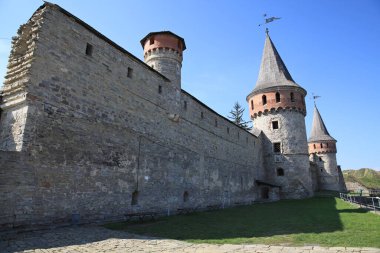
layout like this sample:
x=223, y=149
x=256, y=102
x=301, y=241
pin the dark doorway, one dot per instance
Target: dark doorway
x=265, y=193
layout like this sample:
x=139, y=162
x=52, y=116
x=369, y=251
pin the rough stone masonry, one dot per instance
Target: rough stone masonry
x=88, y=130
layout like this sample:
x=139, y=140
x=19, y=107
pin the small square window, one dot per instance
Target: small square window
x=275, y=124
x=159, y=89
x=129, y=73
x=277, y=147
x=89, y=49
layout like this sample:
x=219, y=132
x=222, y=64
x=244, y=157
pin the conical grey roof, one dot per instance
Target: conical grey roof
x=318, y=130
x=273, y=72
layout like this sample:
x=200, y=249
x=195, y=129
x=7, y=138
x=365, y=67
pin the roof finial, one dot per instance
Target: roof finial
x=267, y=31
x=315, y=97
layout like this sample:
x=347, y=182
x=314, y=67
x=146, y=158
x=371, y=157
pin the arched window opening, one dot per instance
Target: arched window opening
x=321, y=145
x=278, y=97
x=252, y=104
x=264, y=100
x=135, y=198
x=292, y=97
x=314, y=146
x=185, y=196
x=280, y=172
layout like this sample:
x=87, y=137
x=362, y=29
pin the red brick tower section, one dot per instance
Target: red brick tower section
x=163, y=52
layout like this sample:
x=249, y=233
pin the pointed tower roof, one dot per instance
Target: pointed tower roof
x=273, y=72
x=319, y=131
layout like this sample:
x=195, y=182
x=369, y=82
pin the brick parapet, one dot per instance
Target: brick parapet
x=163, y=41
x=257, y=106
x=321, y=147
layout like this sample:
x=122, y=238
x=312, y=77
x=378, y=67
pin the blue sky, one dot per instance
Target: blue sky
x=330, y=47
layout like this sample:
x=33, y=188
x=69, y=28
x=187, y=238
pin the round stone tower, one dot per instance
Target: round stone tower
x=322, y=150
x=277, y=108
x=163, y=52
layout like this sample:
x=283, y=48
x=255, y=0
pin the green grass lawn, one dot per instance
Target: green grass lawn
x=324, y=221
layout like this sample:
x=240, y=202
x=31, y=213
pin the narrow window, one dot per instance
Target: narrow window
x=275, y=124
x=246, y=140
x=202, y=116
x=228, y=130
x=151, y=41
x=278, y=97
x=264, y=100
x=320, y=159
x=216, y=123
x=238, y=135
x=314, y=146
x=277, y=147
x=185, y=196
x=129, y=73
x=159, y=89
x=292, y=97
x=280, y=172
x=327, y=145
x=135, y=198
x=252, y=104
x=321, y=170
x=89, y=49
x=185, y=105
x=321, y=145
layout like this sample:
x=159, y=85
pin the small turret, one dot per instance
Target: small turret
x=322, y=150
x=163, y=52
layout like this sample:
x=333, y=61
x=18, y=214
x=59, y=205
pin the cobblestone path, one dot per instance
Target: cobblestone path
x=98, y=239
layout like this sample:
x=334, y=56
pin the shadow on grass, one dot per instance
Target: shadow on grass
x=315, y=215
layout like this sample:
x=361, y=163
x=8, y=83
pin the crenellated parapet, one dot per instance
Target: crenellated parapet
x=274, y=100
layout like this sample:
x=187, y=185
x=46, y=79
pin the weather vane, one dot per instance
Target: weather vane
x=268, y=20
x=315, y=97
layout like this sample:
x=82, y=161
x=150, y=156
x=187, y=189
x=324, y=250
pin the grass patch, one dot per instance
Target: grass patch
x=324, y=221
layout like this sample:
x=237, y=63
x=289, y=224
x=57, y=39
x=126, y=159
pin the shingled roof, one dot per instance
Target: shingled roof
x=319, y=131
x=273, y=72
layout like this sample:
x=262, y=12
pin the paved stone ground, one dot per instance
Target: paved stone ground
x=98, y=239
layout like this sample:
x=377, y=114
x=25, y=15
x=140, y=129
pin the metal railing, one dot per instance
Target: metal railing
x=372, y=203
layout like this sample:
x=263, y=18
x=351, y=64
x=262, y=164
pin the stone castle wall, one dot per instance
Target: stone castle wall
x=98, y=139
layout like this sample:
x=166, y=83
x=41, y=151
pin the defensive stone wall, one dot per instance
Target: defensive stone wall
x=100, y=139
